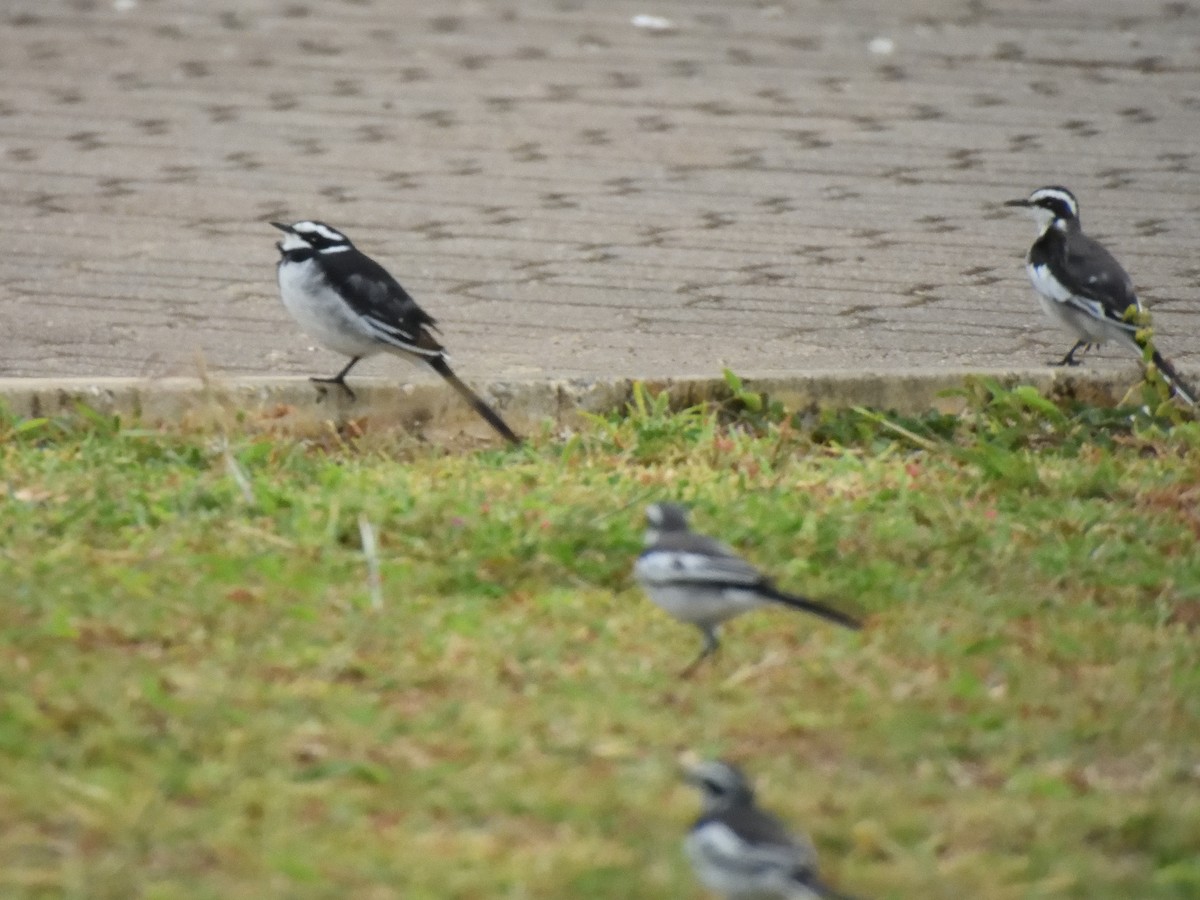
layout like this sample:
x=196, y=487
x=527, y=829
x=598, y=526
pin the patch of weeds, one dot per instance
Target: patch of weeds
x=210, y=673
x=878, y=432
x=747, y=409
x=652, y=422
x=1004, y=431
x=651, y=427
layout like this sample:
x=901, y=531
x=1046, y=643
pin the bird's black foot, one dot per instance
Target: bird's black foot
x=339, y=379
x=322, y=390
x=1069, y=359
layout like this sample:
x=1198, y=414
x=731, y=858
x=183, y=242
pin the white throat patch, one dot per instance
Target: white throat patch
x=292, y=241
x=1043, y=217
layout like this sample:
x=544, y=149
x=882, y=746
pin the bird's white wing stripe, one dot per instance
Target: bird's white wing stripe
x=1093, y=308
x=397, y=337
x=719, y=846
x=672, y=567
x=1048, y=286
x=317, y=228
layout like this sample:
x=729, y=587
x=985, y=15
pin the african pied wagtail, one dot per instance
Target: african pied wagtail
x=349, y=304
x=703, y=582
x=1081, y=285
x=742, y=852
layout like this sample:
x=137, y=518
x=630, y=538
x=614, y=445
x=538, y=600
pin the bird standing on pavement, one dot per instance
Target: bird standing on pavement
x=351, y=305
x=742, y=852
x=701, y=581
x=1081, y=285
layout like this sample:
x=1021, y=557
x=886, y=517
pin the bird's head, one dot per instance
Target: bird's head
x=722, y=784
x=664, y=518
x=1051, y=207
x=313, y=236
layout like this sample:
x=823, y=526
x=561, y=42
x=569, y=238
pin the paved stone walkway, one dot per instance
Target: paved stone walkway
x=771, y=185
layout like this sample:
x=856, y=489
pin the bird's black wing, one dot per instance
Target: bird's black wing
x=690, y=558
x=385, y=306
x=753, y=845
x=759, y=828
x=1096, y=280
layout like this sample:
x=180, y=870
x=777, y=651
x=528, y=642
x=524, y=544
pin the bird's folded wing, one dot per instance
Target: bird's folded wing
x=662, y=566
x=403, y=338
x=1098, y=284
x=720, y=846
x=388, y=310
x=385, y=307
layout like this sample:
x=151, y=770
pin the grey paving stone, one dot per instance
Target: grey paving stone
x=770, y=185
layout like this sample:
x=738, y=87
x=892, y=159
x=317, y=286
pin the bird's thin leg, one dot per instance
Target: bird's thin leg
x=710, y=647
x=1069, y=359
x=339, y=379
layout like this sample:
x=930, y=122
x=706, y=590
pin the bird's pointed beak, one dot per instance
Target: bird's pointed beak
x=1021, y=202
x=282, y=227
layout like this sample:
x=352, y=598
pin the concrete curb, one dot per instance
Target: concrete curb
x=293, y=402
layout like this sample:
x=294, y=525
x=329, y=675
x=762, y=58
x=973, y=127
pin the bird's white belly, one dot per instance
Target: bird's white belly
x=1055, y=299
x=322, y=314
x=701, y=605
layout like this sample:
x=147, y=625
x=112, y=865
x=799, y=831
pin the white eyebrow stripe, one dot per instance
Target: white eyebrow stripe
x=1056, y=194
x=317, y=228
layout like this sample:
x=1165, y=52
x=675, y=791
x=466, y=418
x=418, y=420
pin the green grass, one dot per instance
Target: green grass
x=203, y=697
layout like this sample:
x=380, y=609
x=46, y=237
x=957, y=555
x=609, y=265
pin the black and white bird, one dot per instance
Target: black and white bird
x=1081, y=285
x=741, y=852
x=701, y=581
x=350, y=304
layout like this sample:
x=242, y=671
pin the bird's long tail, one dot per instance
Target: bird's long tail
x=1178, y=387
x=816, y=607
x=439, y=365
x=1141, y=337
